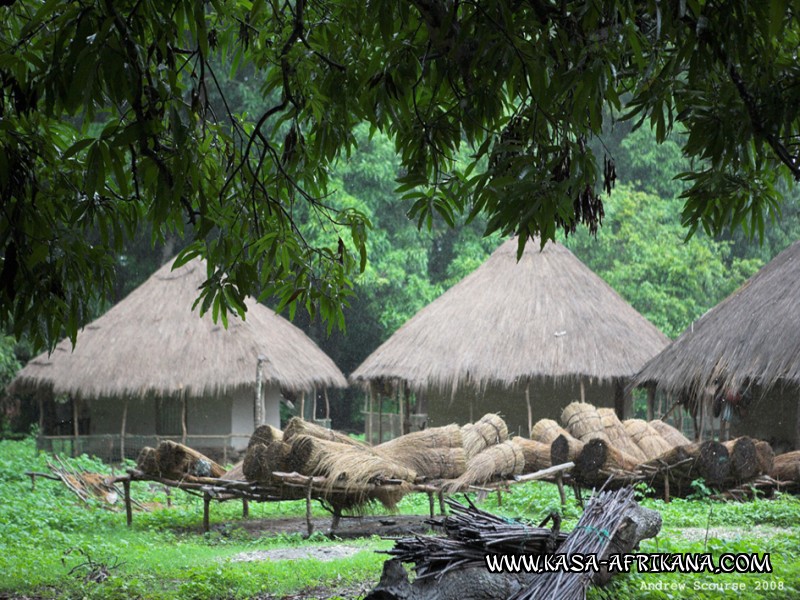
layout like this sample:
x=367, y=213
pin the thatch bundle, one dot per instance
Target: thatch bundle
x=669, y=433
x=547, y=430
x=565, y=448
x=619, y=438
x=265, y=434
x=599, y=459
x=496, y=462
x=147, y=461
x=261, y=460
x=743, y=457
x=647, y=438
x=297, y=426
x=491, y=429
x=435, y=453
x=176, y=460
x=235, y=473
x=786, y=467
x=765, y=456
x=583, y=421
x=536, y=454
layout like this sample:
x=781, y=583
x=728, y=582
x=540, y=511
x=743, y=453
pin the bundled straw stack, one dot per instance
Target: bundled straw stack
x=536, y=454
x=175, y=460
x=669, y=433
x=548, y=431
x=435, y=453
x=297, y=426
x=647, y=438
x=265, y=434
x=491, y=429
x=619, y=438
x=262, y=460
x=584, y=422
x=496, y=462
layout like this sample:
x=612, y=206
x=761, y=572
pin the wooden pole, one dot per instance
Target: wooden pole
x=368, y=424
x=314, y=406
x=561, y=494
x=75, y=429
x=797, y=426
x=327, y=404
x=651, y=401
x=245, y=508
x=583, y=391
x=619, y=399
x=380, y=419
x=400, y=408
x=258, y=402
x=184, y=427
x=206, y=503
x=530, y=408
x=309, y=523
x=126, y=486
x=303, y=405
x=122, y=430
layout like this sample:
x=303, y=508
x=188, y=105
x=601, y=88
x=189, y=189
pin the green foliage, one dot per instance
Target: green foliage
x=222, y=121
x=639, y=252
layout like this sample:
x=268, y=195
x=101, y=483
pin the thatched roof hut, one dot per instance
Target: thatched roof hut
x=153, y=343
x=182, y=376
x=750, y=338
x=747, y=348
x=546, y=316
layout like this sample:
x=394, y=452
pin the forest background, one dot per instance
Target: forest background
x=641, y=250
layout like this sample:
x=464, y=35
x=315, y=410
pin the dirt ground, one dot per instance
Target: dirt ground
x=349, y=527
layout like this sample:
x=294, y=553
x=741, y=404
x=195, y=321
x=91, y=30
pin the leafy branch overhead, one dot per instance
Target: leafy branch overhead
x=117, y=113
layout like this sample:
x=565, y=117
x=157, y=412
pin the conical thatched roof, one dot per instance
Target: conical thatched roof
x=152, y=342
x=753, y=336
x=547, y=315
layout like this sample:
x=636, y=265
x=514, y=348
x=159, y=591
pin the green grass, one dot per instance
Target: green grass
x=46, y=533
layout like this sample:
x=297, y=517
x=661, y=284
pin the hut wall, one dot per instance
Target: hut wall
x=209, y=415
x=547, y=402
x=243, y=413
x=771, y=416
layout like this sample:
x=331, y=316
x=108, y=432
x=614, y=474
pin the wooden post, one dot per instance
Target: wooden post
x=651, y=401
x=206, y=503
x=184, y=427
x=245, y=508
x=797, y=427
x=122, y=430
x=368, y=428
x=303, y=405
x=560, y=484
x=666, y=488
x=583, y=391
x=327, y=404
x=309, y=523
x=258, y=402
x=400, y=408
x=431, y=505
x=75, y=429
x=314, y=406
x=126, y=486
x=619, y=399
x=442, y=509
x=380, y=419
x=530, y=408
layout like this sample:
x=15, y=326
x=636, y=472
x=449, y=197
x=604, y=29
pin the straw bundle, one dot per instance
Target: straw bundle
x=583, y=421
x=647, y=438
x=235, y=473
x=618, y=436
x=669, y=433
x=565, y=448
x=496, y=462
x=147, y=461
x=298, y=426
x=744, y=461
x=176, y=459
x=786, y=467
x=265, y=434
x=491, y=429
x=536, y=454
x=261, y=460
x=764, y=456
x=434, y=453
x=598, y=460
x=547, y=430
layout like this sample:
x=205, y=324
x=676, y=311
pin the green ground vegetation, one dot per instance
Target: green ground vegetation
x=51, y=543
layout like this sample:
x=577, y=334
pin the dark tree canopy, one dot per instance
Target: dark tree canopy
x=113, y=113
